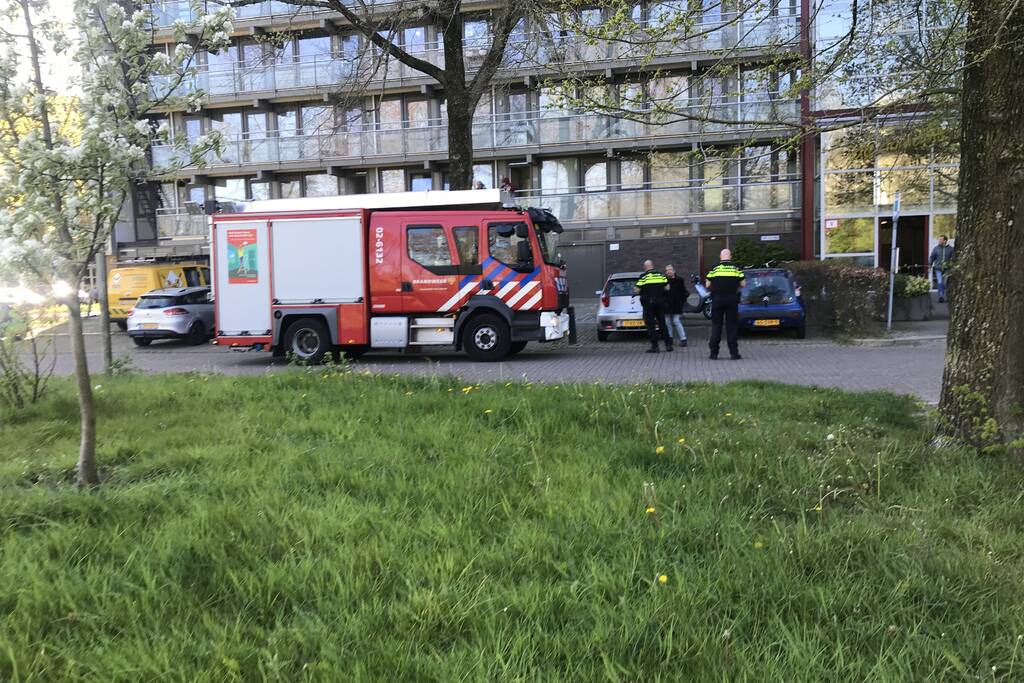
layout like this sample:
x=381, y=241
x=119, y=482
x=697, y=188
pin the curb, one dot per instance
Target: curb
x=898, y=341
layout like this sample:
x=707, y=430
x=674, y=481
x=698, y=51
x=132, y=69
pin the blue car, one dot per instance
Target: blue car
x=771, y=301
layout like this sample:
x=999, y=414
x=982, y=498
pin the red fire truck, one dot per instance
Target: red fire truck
x=388, y=271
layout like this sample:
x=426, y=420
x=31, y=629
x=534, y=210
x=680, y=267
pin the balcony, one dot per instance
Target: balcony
x=535, y=52
x=727, y=196
x=531, y=131
x=177, y=224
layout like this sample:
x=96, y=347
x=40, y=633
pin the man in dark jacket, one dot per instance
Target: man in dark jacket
x=725, y=281
x=675, y=301
x=652, y=287
x=942, y=254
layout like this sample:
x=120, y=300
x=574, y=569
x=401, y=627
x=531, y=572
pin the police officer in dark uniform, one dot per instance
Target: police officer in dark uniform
x=652, y=288
x=725, y=281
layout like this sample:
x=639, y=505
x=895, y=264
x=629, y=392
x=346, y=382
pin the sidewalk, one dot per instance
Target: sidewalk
x=914, y=332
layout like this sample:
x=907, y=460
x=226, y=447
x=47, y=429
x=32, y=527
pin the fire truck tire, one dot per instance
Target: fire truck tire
x=516, y=347
x=307, y=340
x=486, y=337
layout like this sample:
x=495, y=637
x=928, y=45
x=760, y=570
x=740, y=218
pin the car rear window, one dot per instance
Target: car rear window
x=777, y=288
x=158, y=301
x=621, y=287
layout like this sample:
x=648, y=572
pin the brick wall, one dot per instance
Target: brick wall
x=681, y=252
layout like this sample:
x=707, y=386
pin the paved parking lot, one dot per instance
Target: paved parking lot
x=907, y=368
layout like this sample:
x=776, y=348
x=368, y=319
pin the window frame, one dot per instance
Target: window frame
x=451, y=268
x=514, y=266
x=475, y=267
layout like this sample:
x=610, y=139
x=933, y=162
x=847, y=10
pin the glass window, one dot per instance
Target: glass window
x=166, y=195
x=197, y=194
x=229, y=124
x=595, y=179
x=192, y=279
x=259, y=191
x=414, y=39
x=559, y=175
x=193, y=128
x=287, y=123
x=418, y=113
x=419, y=182
x=392, y=180
x=670, y=169
x=849, y=235
x=632, y=173
x=475, y=34
x=291, y=189
x=512, y=250
x=321, y=185
x=389, y=114
x=428, y=246
x=230, y=188
x=944, y=224
x=317, y=120
x=256, y=124
x=483, y=173
x=467, y=242
x=757, y=164
x=319, y=46
x=849, y=192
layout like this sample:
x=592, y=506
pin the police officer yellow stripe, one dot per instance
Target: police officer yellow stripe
x=723, y=270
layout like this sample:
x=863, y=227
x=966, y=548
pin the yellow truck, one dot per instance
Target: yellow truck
x=127, y=282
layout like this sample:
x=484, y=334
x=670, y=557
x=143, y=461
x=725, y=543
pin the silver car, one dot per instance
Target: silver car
x=620, y=309
x=176, y=313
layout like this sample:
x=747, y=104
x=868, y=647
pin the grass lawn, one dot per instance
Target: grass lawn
x=322, y=525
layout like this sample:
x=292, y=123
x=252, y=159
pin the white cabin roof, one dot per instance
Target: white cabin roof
x=495, y=199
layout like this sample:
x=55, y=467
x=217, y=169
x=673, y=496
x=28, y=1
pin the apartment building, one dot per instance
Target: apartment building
x=307, y=110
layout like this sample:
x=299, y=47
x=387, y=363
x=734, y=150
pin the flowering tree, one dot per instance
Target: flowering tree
x=66, y=164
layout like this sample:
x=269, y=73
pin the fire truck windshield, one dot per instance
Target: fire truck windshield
x=549, y=247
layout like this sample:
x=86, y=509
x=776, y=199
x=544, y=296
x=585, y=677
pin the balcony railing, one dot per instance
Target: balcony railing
x=175, y=223
x=535, y=50
x=731, y=195
x=732, y=119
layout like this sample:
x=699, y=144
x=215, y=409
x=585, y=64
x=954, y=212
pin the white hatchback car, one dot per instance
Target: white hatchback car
x=620, y=309
x=177, y=313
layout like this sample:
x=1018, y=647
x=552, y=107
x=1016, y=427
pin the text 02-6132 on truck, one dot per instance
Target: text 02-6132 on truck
x=305, y=277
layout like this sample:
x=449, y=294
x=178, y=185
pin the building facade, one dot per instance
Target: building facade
x=306, y=110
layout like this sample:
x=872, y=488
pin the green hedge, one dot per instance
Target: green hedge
x=849, y=300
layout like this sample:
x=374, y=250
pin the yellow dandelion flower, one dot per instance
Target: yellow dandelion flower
x=650, y=509
x=408, y=393
x=728, y=414
x=487, y=412
x=663, y=579
x=659, y=450
x=758, y=545
x=681, y=441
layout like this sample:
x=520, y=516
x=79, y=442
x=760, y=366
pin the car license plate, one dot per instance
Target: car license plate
x=149, y=326
x=767, y=322
x=632, y=323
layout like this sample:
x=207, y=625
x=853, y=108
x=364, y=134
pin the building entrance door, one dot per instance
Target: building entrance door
x=710, y=248
x=585, y=267
x=912, y=240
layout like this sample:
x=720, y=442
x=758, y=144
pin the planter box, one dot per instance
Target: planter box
x=915, y=308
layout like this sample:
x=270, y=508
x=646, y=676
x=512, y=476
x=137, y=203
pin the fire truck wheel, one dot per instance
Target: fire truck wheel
x=307, y=340
x=486, y=337
x=516, y=347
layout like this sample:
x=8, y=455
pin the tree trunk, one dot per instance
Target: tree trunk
x=86, y=474
x=101, y=286
x=983, y=386
x=460, y=140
